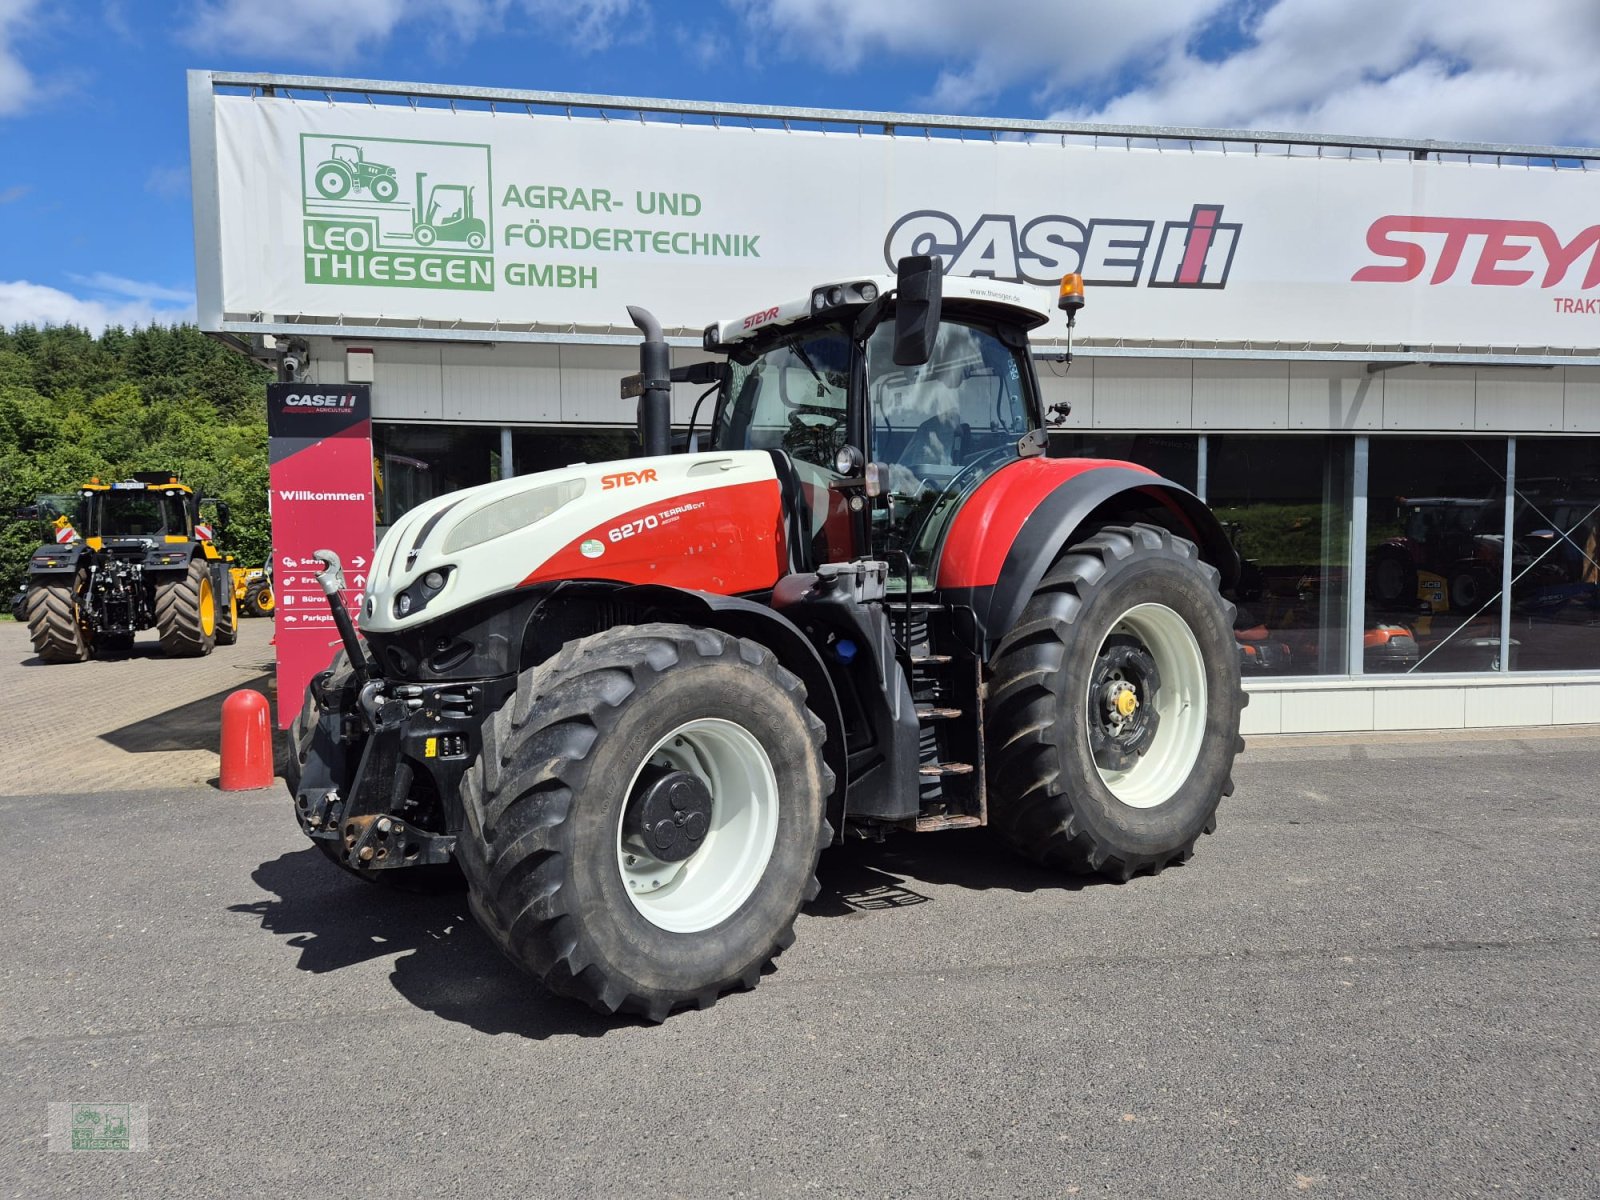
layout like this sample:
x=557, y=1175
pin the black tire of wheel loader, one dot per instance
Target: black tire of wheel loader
x=543, y=810
x=55, y=620
x=1048, y=796
x=228, y=610
x=258, y=598
x=186, y=612
x=430, y=880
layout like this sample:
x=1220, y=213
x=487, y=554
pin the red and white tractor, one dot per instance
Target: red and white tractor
x=632, y=702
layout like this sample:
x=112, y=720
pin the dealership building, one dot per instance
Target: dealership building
x=1377, y=359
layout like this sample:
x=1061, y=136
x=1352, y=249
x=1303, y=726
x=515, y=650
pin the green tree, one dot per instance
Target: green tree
x=74, y=406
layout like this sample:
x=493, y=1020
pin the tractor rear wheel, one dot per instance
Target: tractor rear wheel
x=186, y=612
x=1114, y=707
x=258, y=600
x=644, y=821
x=227, y=610
x=55, y=619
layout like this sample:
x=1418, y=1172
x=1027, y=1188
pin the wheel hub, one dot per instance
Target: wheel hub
x=670, y=812
x=1123, y=689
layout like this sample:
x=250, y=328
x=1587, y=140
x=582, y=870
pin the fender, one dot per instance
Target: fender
x=1016, y=523
x=746, y=619
x=55, y=560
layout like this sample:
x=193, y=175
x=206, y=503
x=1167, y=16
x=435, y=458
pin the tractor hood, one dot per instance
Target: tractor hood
x=711, y=522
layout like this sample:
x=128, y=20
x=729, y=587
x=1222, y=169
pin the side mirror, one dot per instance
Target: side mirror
x=919, y=294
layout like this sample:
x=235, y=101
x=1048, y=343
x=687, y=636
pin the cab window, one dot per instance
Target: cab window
x=791, y=396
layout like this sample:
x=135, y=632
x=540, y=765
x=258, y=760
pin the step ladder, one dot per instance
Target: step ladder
x=948, y=692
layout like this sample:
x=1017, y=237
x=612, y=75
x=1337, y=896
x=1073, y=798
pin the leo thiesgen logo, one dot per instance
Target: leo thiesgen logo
x=1106, y=251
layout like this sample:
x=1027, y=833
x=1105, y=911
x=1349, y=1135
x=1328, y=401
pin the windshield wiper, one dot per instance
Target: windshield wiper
x=800, y=353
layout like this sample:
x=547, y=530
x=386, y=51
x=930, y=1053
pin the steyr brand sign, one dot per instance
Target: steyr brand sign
x=320, y=446
x=357, y=214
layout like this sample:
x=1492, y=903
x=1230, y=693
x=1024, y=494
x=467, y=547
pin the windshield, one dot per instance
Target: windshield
x=942, y=428
x=793, y=395
x=117, y=514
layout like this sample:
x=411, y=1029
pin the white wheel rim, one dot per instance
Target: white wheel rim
x=710, y=885
x=1181, y=703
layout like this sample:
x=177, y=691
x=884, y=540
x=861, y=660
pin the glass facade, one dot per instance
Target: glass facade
x=413, y=463
x=1285, y=503
x=1434, y=534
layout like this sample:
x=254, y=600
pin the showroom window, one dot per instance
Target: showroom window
x=535, y=450
x=1435, y=547
x=1555, y=555
x=413, y=463
x=1285, y=502
x=1172, y=456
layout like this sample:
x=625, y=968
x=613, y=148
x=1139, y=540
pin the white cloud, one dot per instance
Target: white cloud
x=17, y=84
x=170, y=182
x=27, y=303
x=9, y=195
x=1474, y=70
x=1471, y=70
x=982, y=48
x=305, y=30
x=328, y=34
x=133, y=289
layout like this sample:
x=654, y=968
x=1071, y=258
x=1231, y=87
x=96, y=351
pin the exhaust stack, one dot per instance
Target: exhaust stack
x=655, y=384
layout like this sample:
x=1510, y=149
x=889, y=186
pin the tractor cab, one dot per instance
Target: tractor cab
x=136, y=511
x=888, y=422
x=347, y=152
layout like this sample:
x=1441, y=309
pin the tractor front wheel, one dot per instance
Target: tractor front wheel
x=186, y=612
x=1114, y=707
x=55, y=619
x=384, y=188
x=644, y=821
x=258, y=600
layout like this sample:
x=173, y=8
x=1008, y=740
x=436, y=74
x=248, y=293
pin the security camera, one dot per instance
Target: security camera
x=291, y=365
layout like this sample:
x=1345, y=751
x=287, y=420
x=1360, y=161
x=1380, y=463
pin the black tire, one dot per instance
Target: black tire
x=258, y=600
x=1392, y=579
x=543, y=808
x=429, y=880
x=186, y=612
x=227, y=611
x=385, y=188
x=55, y=619
x=1053, y=750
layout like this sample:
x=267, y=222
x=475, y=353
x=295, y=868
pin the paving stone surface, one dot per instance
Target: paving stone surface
x=145, y=721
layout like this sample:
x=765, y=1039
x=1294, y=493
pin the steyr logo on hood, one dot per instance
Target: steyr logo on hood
x=1106, y=251
x=627, y=479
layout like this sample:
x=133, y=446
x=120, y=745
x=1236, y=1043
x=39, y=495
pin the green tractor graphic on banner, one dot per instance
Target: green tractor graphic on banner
x=447, y=217
x=347, y=170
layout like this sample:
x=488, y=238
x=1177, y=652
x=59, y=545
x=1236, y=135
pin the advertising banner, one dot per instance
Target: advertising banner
x=354, y=212
x=320, y=446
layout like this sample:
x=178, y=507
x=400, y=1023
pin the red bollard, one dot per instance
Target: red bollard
x=246, y=742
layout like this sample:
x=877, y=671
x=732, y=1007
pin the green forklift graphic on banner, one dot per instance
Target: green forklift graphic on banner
x=448, y=216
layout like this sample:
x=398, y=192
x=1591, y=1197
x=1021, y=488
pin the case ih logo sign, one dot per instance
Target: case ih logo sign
x=1106, y=251
x=327, y=401
x=1481, y=251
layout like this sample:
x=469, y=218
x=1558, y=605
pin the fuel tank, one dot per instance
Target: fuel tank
x=711, y=522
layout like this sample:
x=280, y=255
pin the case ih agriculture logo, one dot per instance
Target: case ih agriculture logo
x=383, y=212
x=1106, y=251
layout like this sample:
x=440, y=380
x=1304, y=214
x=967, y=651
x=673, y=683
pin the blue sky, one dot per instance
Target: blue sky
x=94, y=185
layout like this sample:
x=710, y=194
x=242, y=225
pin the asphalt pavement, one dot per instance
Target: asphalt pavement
x=1379, y=978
